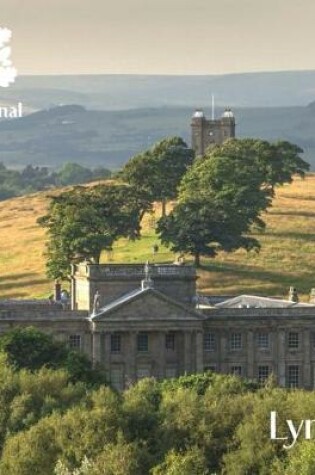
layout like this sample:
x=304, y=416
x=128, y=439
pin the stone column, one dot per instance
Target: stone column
x=96, y=347
x=106, y=351
x=130, y=354
x=281, y=350
x=187, y=352
x=250, y=354
x=160, y=355
x=307, y=376
x=73, y=291
x=223, y=368
x=88, y=345
x=199, y=352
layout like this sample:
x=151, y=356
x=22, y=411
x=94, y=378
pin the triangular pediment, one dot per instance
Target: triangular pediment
x=147, y=305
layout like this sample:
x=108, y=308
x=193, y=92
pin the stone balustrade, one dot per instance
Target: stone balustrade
x=109, y=271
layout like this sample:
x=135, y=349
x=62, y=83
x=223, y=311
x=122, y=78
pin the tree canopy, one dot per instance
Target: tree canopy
x=74, y=174
x=35, y=178
x=31, y=349
x=158, y=171
x=220, y=198
x=198, y=424
x=84, y=221
x=278, y=161
x=223, y=195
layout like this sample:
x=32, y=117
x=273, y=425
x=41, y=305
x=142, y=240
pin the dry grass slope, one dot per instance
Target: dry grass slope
x=288, y=246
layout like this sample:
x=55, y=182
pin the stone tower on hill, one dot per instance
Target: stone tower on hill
x=206, y=133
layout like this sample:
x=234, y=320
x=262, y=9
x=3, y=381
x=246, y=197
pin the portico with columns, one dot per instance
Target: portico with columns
x=146, y=333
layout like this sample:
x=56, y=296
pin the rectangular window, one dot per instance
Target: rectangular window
x=143, y=372
x=170, y=341
x=209, y=342
x=293, y=376
x=236, y=370
x=143, y=342
x=293, y=340
x=115, y=343
x=211, y=368
x=236, y=341
x=75, y=342
x=263, y=341
x=117, y=378
x=263, y=373
x=170, y=372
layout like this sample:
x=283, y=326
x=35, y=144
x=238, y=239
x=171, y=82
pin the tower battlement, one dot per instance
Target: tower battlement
x=210, y=132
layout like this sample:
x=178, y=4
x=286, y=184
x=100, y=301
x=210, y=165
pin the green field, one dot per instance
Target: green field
x=286, y=256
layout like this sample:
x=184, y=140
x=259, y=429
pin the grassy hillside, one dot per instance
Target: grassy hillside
x=286, y=257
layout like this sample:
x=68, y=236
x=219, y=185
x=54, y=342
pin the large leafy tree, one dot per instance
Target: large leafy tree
x=158, y=171
x=83, y=222
x=278, y=161
x=223, y=195
x=29, y=348
x=220, y=199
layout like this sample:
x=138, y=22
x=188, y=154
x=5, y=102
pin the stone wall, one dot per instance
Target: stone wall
x=48, y=318
x=278, y=323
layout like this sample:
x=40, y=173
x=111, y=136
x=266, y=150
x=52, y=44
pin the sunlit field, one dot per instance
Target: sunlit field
x=286, y=256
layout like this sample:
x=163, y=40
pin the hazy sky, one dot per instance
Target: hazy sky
x=160, y=36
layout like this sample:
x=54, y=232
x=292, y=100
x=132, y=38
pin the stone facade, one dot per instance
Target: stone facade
x=255, y=342
x=148, y=334
x=155, y=330
x=208, y=133
x=114, y=280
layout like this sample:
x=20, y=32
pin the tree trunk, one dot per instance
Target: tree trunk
x=163, y=208
x=197, y=259
x=97, y=258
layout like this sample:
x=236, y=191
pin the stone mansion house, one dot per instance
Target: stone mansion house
x=141, y=321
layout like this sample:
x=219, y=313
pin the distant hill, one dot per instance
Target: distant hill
x=120, y=92
x=109, y=138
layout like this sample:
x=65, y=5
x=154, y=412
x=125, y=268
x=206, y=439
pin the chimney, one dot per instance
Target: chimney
x=57, y=291
x=293, y=295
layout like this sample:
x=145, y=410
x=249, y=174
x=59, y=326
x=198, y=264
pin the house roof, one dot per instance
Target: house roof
x=139, y=293
x=254, y=301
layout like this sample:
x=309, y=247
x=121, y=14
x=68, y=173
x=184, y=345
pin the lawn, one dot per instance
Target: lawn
x=287, y=248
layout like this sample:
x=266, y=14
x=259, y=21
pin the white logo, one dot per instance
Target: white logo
x=7, y=72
